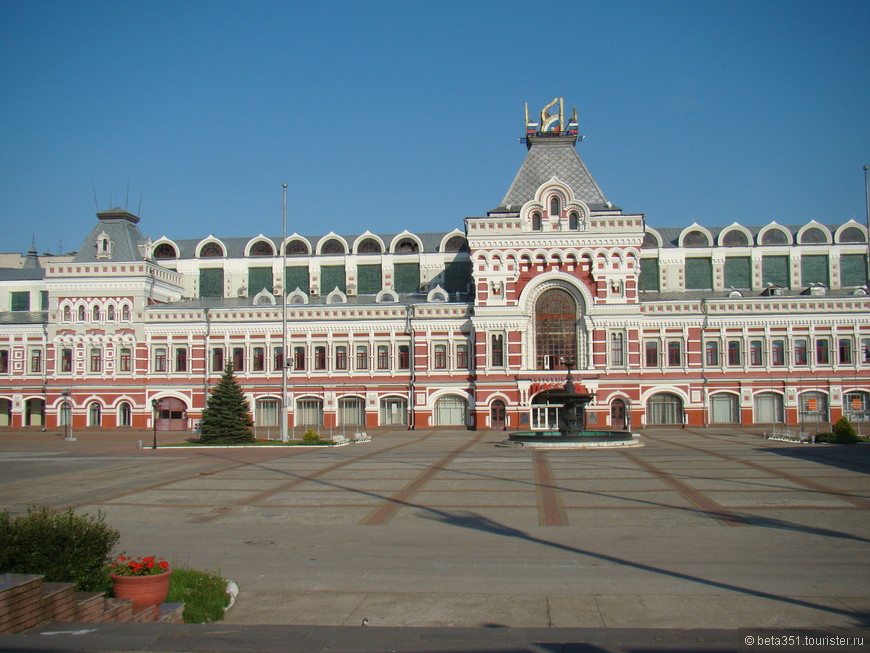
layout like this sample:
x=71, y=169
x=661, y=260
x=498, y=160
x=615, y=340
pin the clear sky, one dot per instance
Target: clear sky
x=387, y=115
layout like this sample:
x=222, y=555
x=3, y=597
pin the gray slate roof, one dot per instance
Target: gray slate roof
x=120, y=227
x=671, y=235
x=23, y=317
x=550, y=157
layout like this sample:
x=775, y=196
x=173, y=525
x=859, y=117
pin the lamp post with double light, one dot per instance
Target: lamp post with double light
x=155, y=410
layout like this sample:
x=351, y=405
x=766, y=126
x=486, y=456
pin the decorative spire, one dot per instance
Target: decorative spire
x=552, y=123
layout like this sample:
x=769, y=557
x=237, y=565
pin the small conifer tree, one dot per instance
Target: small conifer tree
x=844, y=432
x=227, y=417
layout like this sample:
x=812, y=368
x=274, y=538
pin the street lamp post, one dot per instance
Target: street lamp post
x=867, y=203
x=284, y=435
x=155, y=408
x=67, y=404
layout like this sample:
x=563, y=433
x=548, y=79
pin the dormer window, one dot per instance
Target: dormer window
x=104, y=246
x=573, y=221
x=536, y=221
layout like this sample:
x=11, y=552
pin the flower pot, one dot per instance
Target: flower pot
x=146, y=591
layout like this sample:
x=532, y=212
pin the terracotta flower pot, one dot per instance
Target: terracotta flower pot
x=146, y=591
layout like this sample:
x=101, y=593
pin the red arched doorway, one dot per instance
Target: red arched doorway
x=172, y=415
x=497, y=415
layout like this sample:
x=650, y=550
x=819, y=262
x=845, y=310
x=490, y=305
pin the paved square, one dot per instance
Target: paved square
x=700, y=528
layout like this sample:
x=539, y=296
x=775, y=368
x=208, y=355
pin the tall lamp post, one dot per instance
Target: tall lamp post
x=867, y=203
x=155, y=408
x=284, y=435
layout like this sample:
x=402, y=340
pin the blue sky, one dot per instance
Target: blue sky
x=388, y=115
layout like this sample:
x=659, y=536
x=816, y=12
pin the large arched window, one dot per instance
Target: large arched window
x=165, y=250
x=211, y=250
x=369, y=246
x=262, y=248
x=555, y=330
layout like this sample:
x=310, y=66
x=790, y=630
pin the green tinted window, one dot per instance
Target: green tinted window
x=457, y=276
x=19, y=301
x=211, y=282
x=297, y=277
x=853, y=270
x=738, y=272
x=649, y=274
x=407, y=277
x=774, y=269
x=368, y=279
x=699, y=274
x=814, y=269
x=259, y=279
x=332, y=277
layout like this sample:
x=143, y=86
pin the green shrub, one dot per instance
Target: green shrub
x=844, y=432
x=204, y=595
x=62, y=546
x=310, y=436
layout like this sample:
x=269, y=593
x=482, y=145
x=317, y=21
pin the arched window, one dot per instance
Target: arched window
x=649, y=241
x=813, y=236
x=555, y=206
x=573, y=221
x=96, y=313
x=296, y=248
x=125, y=414
x=407, y=246
x=125, y=313
x=851, y=235
x=81, y=313
x=369, y=246
x=537, y=225
x=664, y=408
x=67, y=314
x=332, y=246
x=456, y=244
x=95, y=414
x=211, y=250
x=774, y=237
x=165, y=250
x=262, y=248
x=110, y=314
x=555, y=330
x=696, y=239
x=735, y=238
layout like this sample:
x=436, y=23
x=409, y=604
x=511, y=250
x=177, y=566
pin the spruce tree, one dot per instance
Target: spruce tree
x=227, y=418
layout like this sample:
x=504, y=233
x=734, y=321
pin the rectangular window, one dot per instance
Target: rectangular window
x=259, y=279
x=4, y=361
x=823, y=351
x=814, y=269
x=320, y=357
x=497, y=350
x=341, y=357
x=457, y=276
x=217, y=359
x=160, y=359
x=368, y=279
x=738, y=272
x=844, y=351
x=711, y=353
x=332, y=277
x=405, y=357
x=125, y=359
x=853, y=270
x=800, y=352
x=774, y=270
x=181, y=359
x=617, y=350
x=35, y=360
x=297, y=278
x=238, y=359
x=362, y=357
x=299, y=358
x=699, y=274
x=211, y=282
x=777, y=352
x=383, y=357
x=865, y=350
x=19, y=301
x=734, y=352
x=649, y=274
x=65, y=360
x=258, y=363
x=43, y=300
x=756, y=353
x=675, y=353
x=407, y=277
x=278, y=358
x=462, y=357
x=96, y=360
x=651, y=353
x=440, y=362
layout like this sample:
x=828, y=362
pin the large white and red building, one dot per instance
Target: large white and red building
x=701, y=325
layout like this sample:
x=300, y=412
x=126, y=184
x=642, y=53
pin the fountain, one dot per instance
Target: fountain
x=572, y=433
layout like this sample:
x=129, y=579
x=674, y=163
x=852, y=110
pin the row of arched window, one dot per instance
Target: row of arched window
x=300, y=247
x=773, y=235
x=95, y=313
